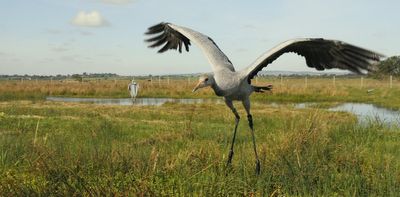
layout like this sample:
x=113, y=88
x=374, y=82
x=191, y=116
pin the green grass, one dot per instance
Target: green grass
x=51, y=148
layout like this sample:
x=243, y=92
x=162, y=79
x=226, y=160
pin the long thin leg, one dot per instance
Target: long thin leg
x=237, y=118
x=246, y=104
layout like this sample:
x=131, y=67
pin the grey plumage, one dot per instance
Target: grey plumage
x=319, y=53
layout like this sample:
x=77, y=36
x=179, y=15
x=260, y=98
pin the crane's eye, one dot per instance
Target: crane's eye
x=206, y=79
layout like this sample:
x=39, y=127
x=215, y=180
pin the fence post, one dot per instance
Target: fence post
x=281, y=80
x=391, y=81
x=188, y=80
x=362, y=82
x=168, y=80
x=256, y=79
x=159, y=80
x=334, y=81
x=306, y=82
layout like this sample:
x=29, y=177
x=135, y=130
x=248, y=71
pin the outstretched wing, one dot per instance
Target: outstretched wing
x=320, y=54
x=176, y=37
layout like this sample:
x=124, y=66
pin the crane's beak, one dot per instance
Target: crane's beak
x=196, y=87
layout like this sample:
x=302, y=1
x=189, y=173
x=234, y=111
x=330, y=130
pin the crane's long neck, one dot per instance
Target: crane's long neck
x=216, y=89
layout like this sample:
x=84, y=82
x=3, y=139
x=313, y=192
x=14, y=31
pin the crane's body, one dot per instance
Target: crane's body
x=236, y=85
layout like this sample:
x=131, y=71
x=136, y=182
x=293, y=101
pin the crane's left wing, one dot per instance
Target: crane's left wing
x=175, y=37
x=320, y=54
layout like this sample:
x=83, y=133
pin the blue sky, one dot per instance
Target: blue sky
x=75, y=36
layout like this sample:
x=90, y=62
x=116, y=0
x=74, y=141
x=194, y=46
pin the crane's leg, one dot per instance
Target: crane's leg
x=246, y=104
x=237, y=118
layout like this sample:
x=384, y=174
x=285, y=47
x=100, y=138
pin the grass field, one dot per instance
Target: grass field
x=49, y=148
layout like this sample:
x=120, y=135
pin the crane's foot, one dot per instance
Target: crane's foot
x=258, y=167
x=229, y=158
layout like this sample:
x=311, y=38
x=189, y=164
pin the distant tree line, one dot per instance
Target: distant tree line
x=389, y=66
x=60, y=77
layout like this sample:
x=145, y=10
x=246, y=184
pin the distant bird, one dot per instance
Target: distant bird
x=233, y=85
x=133, y=88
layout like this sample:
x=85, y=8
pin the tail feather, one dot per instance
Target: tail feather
x=262, y=88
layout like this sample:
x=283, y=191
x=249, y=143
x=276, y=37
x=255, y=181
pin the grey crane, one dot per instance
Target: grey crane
x=233, y=85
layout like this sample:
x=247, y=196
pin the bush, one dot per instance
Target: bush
x=390, y=66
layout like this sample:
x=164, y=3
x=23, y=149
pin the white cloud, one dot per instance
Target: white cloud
x=89, y=19
x=117, y=1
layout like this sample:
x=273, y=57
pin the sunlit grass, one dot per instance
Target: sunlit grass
x=48, y=148
x=53, y=148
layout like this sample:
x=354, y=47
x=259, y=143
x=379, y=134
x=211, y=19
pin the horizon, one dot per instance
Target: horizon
x=261, y=74
x=50, y=37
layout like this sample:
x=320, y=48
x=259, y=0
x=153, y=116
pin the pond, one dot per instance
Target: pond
x=369, y=112
x=365, y=112
x=137, y=101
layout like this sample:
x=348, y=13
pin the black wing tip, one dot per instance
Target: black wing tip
x=164, y=34
x=157, y=28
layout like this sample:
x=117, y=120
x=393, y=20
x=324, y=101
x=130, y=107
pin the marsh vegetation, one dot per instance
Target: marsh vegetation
x=52, y=148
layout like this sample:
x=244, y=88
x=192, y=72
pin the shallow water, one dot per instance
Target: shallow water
x=137, y=101
x=365, y=112
x=369, y=112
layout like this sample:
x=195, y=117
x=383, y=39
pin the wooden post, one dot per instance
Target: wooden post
x=51, y=80
x=334, y=81
x=168, y=80
x=159, y=80
x=306, y=82
x=256, y=79
x=281, y=80
x=362, y=82
x=188, y=80
x=391, y=81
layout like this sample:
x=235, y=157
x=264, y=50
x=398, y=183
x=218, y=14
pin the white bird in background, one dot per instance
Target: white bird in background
x=233, y=85
x=133, y=88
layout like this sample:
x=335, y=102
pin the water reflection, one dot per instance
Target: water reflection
x=365, y=112
x=369, y=112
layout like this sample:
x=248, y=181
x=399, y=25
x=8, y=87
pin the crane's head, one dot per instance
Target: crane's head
x=204, y=81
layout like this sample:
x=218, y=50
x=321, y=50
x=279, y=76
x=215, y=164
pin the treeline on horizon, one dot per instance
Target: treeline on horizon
x=387, y=67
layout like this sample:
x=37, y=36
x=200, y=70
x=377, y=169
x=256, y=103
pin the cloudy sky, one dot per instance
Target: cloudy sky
x=75, y=36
